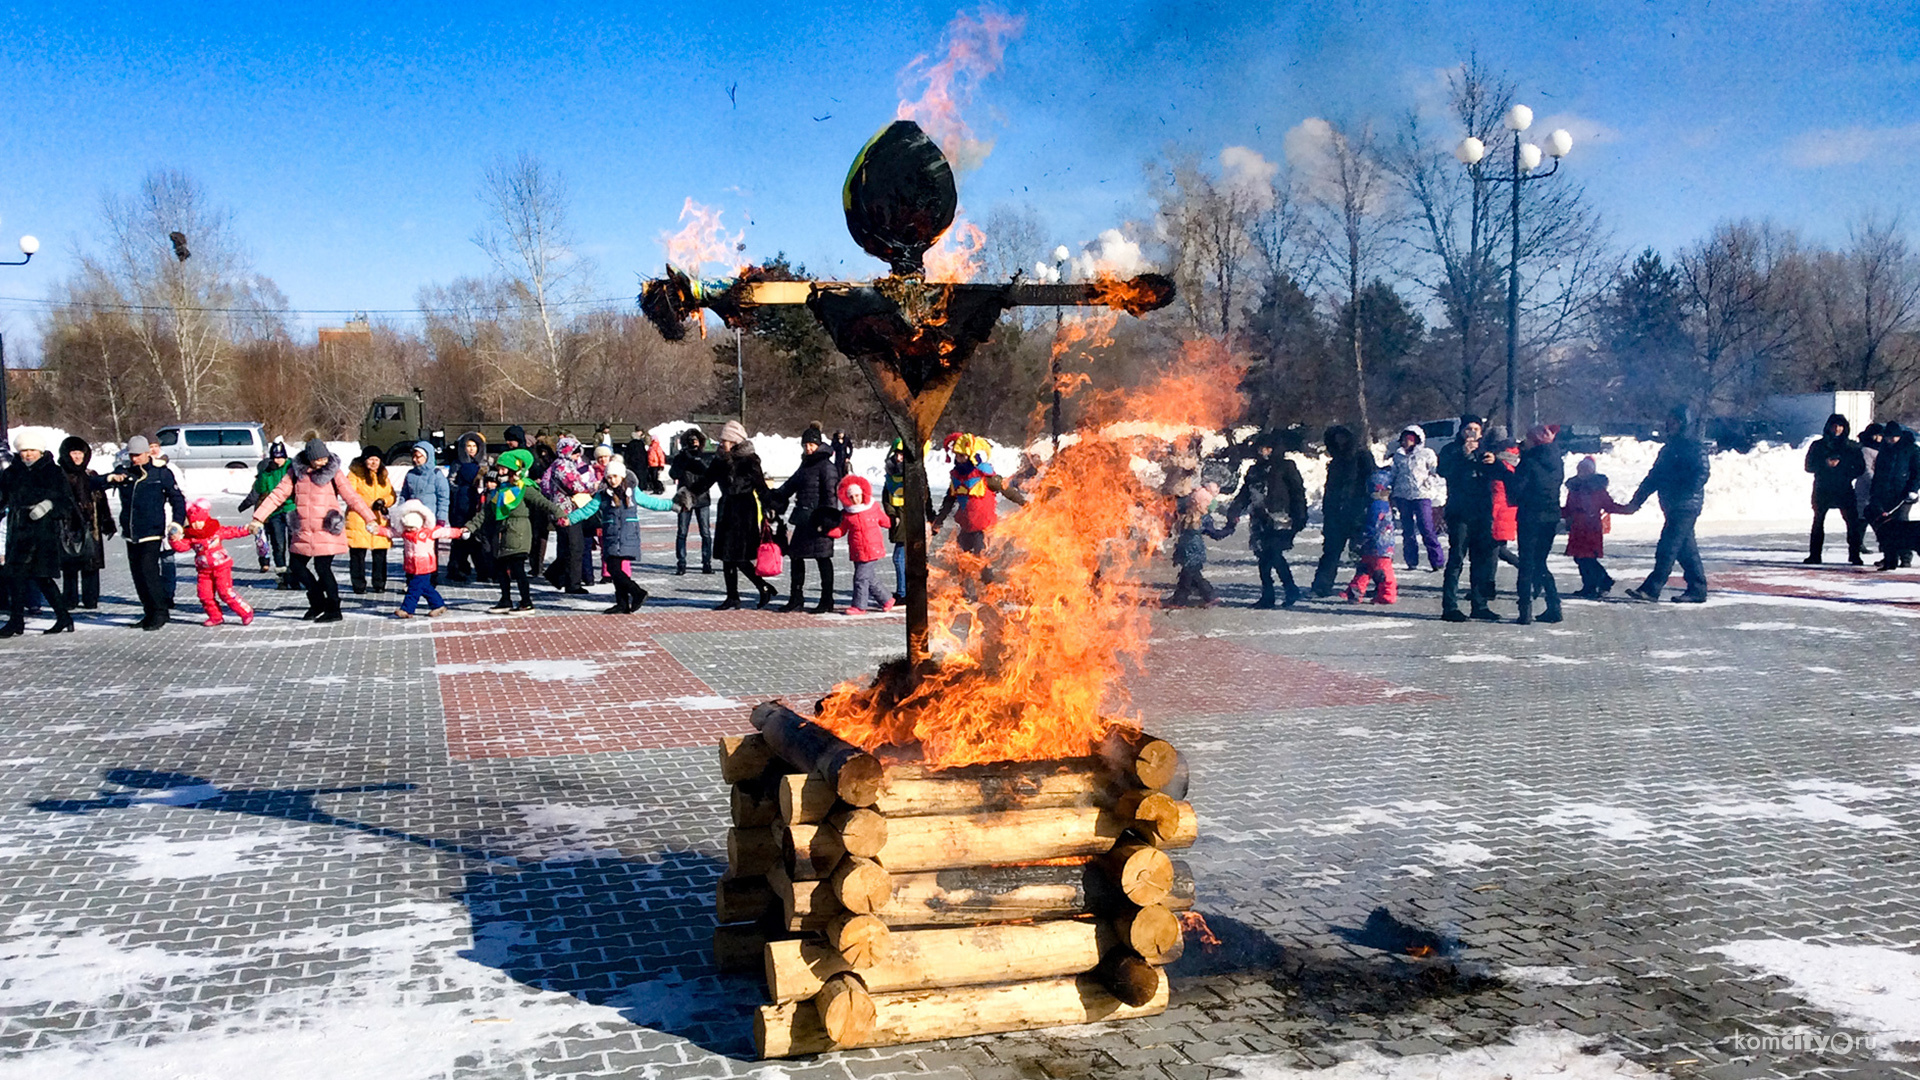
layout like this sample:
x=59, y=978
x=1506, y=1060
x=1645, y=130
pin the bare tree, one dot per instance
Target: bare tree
x=531, y=245
x=1224, y=233
x=185, y=299
x=1741, y=289
x=1864, y=307
x=1350, y=217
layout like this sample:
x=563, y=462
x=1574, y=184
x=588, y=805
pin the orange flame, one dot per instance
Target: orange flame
x=1194, y=923
x=702, y=240
x=975, y=46
x=1035, y=634
x=955, y=257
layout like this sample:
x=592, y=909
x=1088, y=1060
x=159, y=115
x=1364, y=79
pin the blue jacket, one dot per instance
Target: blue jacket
x=619, y=523
x=145, y=494
x=428, y=484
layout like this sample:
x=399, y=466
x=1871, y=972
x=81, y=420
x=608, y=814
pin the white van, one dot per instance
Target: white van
x=232, y=446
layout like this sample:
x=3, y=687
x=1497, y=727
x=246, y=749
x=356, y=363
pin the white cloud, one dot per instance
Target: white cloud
x=1826, y=147
x=1585, y=130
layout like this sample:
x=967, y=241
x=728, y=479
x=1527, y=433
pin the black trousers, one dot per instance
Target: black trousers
x=1536, y=543
x=1677, y=544
x=80, y=586
x=799, y=582
x=1190, y=585
x=511, y=570
x=1849, y=515
x=357, y=559
x=565, y=571
x=1469, y=545
x=1272, y=557
x=314, y=573
x=143, y=558
x=626, y=593
x=731, y=571
x=17, y=590
x=1335, y=536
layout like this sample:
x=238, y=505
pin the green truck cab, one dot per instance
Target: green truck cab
x=395, y=422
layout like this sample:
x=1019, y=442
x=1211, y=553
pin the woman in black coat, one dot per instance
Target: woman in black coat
x=80, y=575
x=744, y=502
x=811, y=494
x=39, y=504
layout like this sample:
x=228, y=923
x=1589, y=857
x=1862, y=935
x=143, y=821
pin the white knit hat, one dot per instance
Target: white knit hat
x=733, y=432
x=616, y=469
x=34, y=437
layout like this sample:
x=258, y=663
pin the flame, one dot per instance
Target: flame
x=1421, y=951
x=975, y=46
x=1035, y=634
x=955, y=256
x=1194, y=923
x=1200, y=390
x=702, y=240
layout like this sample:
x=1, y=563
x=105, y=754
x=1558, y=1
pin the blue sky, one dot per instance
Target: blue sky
x=349, y=139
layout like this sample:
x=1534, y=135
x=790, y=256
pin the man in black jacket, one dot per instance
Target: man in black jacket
x=147, y=492
x=1273, y=498
x=1679, y=475
x=1536, y=498
x=1344, y=503
x=693, y=502
x=1896, y=481
x=1835, y=462
x=1469, y=522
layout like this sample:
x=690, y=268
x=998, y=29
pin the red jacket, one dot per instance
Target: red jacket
x=864, y=526
x=206, y=543
x=421, y=554
x=1506, y=516
x=1589, y=505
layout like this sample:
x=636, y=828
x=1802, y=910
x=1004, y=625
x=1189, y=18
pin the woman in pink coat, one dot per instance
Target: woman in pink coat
x=321, y=495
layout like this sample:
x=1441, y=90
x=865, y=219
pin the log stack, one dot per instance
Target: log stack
x=891, y=903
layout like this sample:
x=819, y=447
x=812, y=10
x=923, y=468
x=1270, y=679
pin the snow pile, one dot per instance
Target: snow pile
x=1871, y=988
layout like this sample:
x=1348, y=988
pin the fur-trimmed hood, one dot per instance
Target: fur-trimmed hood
x=324, y=475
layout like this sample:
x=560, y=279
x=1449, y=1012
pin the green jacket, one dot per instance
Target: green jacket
x=264, y=481
x=513, y=534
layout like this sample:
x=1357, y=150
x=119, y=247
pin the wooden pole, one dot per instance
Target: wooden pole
x=979, y=895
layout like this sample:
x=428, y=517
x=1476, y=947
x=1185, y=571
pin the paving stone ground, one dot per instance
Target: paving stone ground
x=486, y=847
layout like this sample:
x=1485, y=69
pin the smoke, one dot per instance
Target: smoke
x=1248, y=175
x=1111, y=255
x=975, y=46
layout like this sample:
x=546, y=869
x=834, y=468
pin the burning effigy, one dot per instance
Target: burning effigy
x=978, y=838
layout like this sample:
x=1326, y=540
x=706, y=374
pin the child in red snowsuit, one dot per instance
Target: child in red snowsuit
x=865, y=526
x=205, y=536
x=1376, y=545
x=1588, y=505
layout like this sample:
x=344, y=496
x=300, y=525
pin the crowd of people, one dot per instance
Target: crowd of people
x=1483, y=499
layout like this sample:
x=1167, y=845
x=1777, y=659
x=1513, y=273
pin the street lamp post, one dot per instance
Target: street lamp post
x=1526, y=158
x=1054, y=274
x=28, y=245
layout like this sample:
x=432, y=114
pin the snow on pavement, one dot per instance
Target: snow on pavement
x=1872, y=988
x=1534, y=1052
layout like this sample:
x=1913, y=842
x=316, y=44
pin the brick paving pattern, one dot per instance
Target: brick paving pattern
x=356, y=849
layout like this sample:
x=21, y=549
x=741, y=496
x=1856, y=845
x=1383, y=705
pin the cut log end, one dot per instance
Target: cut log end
x=862, y=940
x=1129, y=977
x=862, y=831
x=1157, y=764
x=862, y=886
x=859, y=780
x=1143, y=872
x=1153, y=932
x=846, y=1010
x=743, y=757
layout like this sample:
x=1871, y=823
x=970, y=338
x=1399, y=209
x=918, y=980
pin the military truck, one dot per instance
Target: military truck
x=396, y=421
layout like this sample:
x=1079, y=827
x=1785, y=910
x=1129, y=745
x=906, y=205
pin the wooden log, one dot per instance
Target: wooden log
x=742, y=899
x=981, y=895
x=963, y=956
x=1152, y=931
x=751, y=852
x=968, y=840
x=751, y=807
x=862, y=831
x=1154, y=763
x=1130, y=978
x=1142, y=872
x=743, y=757
x=861, y=886
x=740, y=947
x=914, y=791
x=795, y=1028
x=860, y=940
x=854, y=775
x=846, y=1010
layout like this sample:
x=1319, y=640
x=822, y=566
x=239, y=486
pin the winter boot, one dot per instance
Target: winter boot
x=639, y=598
x=331, y=614
x=796, y=587
x=61, y=625
x=14, y=628
x=1452, y=614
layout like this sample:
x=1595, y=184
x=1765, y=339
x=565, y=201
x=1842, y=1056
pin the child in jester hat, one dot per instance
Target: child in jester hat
x=504, y=527
x=972, y=490
x=617, y=505
x=205, y=536
x=420, y=556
